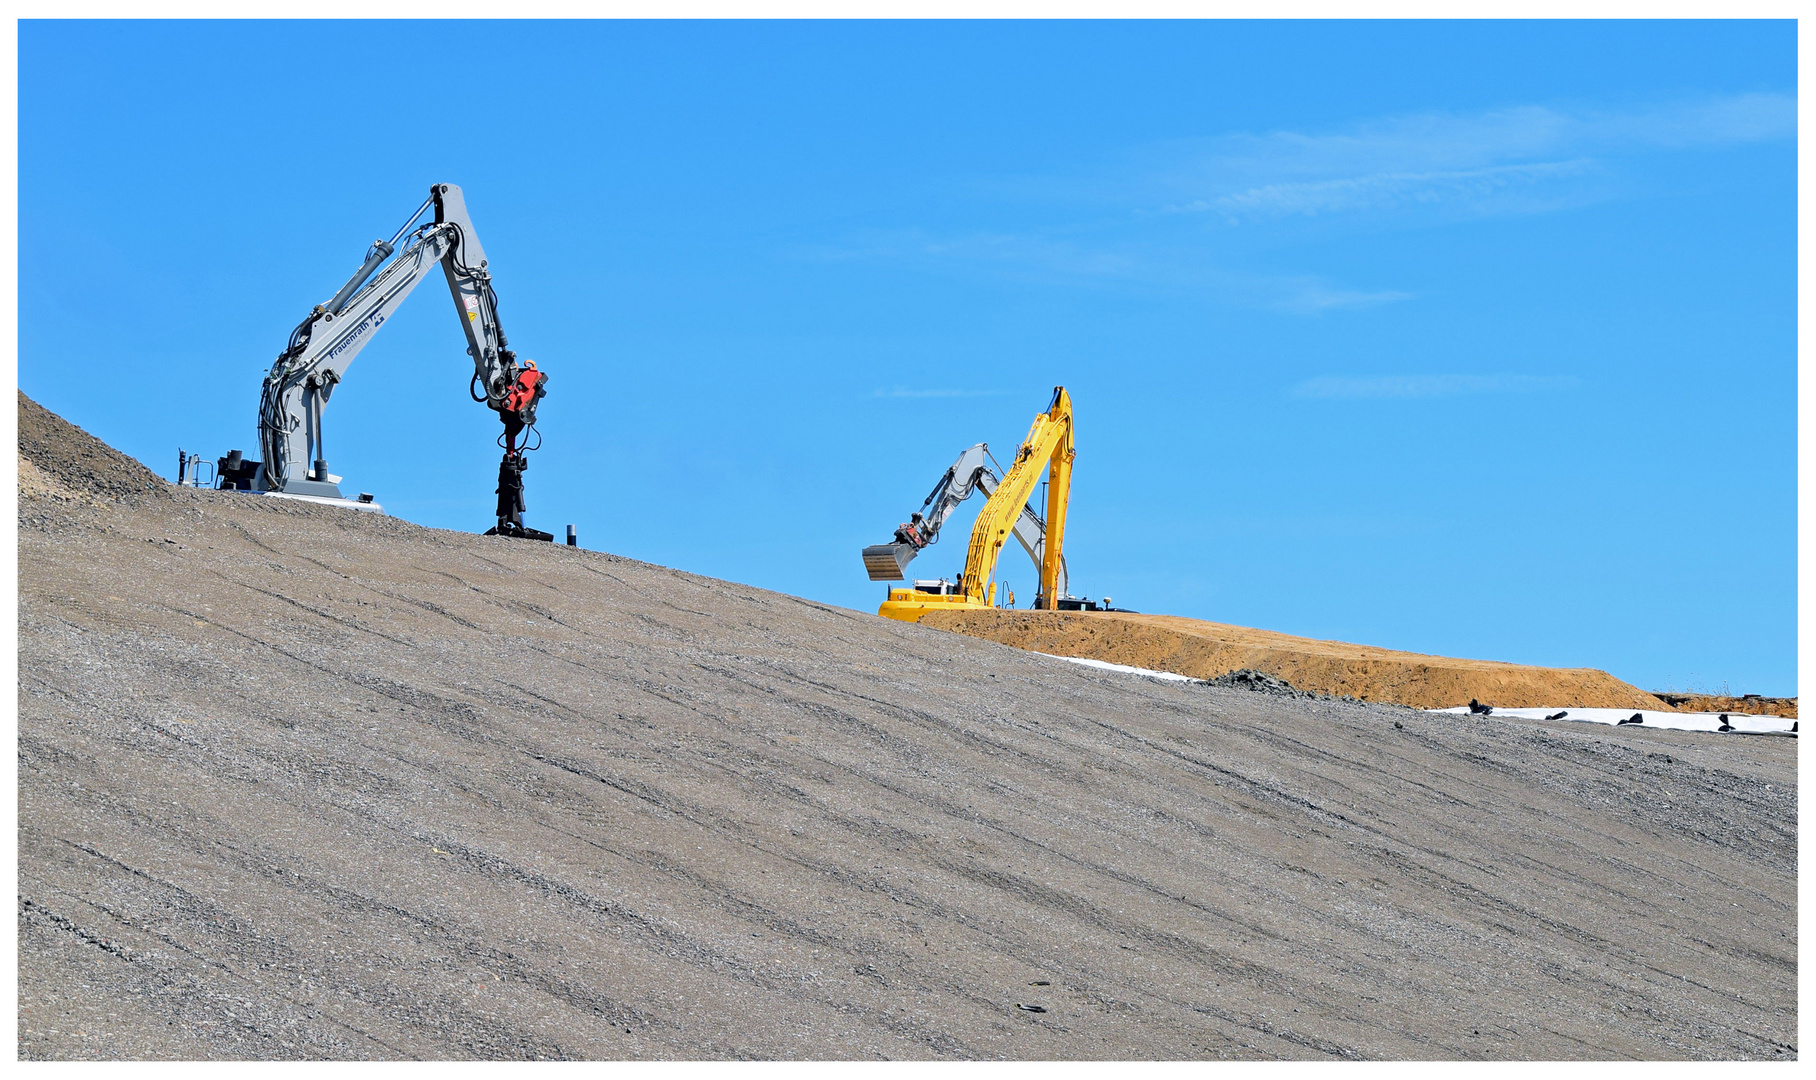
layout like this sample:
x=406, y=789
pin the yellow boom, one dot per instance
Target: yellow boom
x=1049, y=446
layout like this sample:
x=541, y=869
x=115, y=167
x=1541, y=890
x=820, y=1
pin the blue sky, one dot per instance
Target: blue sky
x=1466, y=338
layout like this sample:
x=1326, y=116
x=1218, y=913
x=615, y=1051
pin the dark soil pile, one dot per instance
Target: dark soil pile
x=71, y=457
x=1749, y=704
x=1259, y=682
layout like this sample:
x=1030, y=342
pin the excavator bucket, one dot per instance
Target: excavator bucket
x=885, y=562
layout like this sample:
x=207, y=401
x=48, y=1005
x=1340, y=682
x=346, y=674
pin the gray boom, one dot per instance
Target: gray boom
x=324, y=345
x=971, y=472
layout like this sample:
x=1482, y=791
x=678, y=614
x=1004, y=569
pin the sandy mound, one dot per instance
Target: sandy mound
x=35, y=483
x=1206, y=650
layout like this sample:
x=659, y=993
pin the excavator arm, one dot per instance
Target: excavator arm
x=975, y=472
x=1030, y=532
x=886, y=562
x=1048, y=446
x=326, y=342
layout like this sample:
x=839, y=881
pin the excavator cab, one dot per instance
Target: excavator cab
x=936, y=587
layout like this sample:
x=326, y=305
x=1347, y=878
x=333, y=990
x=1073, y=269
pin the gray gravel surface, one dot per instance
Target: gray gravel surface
x=298, y=782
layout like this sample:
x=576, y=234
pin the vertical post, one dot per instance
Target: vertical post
x=573, y=537
x=1059, y=490
x=315, y=434
x=510, y=485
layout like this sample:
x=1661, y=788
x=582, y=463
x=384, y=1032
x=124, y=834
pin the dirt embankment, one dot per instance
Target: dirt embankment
x=1751, y=704
x=1206, y=650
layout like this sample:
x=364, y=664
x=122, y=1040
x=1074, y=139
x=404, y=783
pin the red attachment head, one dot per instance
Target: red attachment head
x=529, y=388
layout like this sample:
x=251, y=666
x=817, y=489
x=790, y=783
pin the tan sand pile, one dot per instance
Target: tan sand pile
x=1206, y=650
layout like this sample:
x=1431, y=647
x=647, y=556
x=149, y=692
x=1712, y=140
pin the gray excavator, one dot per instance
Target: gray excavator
x=325, y=343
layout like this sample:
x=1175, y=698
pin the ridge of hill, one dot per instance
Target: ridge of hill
x=299, y=782
x=1205, y=650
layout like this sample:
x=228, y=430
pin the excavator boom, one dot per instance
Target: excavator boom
x=1049, y=446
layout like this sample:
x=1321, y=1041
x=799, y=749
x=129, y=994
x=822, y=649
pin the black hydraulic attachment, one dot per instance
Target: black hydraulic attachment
x=510, y=500
x=518, y=411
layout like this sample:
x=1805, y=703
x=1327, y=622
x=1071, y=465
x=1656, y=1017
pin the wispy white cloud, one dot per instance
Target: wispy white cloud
x=1388, y=190
x=1429, y=386
x=1026, y=249
x=902, y=392
x=1310, y=296
x=1035, y=256
x=1159, y=218
x=1507, y=160
x=1717, y=121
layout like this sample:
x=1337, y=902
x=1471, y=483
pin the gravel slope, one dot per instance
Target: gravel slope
x=300, y=782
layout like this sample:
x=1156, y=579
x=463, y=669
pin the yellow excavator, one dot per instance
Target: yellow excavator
x=1006, y=513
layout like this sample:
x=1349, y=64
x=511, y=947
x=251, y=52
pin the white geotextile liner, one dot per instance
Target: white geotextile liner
x=1742, y=723
x=1105, y=665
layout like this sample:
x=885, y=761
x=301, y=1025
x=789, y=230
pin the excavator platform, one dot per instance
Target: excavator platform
x=909, y=605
